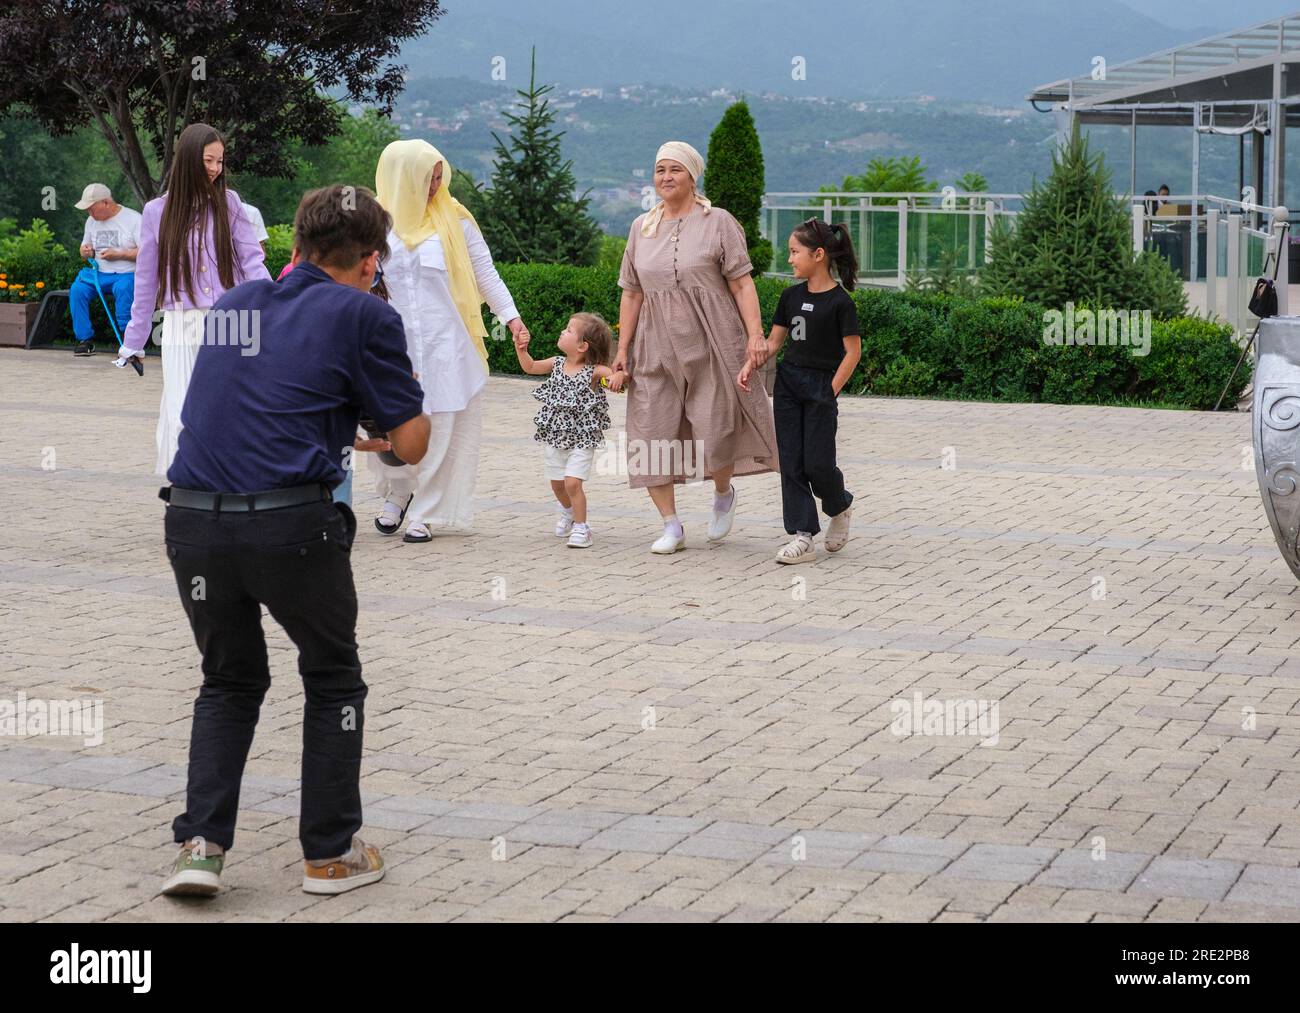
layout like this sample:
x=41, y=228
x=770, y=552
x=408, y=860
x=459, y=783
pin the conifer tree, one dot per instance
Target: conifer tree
x=1073, y=242
x=733, y=177
x=530, y=211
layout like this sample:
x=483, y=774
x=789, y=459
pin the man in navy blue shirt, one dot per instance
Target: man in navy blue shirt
x=269, y=423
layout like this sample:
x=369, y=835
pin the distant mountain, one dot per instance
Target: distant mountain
x=895, y=48
x=1213, y=16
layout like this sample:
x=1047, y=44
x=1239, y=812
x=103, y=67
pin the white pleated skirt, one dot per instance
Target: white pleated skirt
x=182, y=337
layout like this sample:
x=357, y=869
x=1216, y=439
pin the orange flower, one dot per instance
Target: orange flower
x=3, y=284
x=40, y=284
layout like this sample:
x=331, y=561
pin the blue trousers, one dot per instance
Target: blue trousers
x=343, y=491
x=119, y=288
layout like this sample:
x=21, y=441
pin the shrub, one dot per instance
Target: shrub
x=919, y=344
x=34, y=241
x=279, y=248
x=1190, y=361
x=32, y=255
x=611, y=251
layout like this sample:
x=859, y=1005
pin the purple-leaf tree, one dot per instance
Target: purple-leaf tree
x=265, y=75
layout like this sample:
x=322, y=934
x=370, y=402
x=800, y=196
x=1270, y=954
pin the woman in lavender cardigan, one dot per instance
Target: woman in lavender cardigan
x=195, y=243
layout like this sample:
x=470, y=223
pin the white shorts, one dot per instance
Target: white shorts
x=562, y=464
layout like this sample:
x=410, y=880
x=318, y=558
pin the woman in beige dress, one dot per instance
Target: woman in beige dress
x=688, y=321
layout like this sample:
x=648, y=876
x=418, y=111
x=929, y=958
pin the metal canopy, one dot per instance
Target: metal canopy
x=1245, y=82
x=1236, y=65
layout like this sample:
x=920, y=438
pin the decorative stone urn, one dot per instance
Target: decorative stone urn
x=1276, y=423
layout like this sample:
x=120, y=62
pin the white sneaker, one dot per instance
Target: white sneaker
x=563, y=523
x=720, y=523
x=837, y=532
x=801, y=550
x=581, y=537
x=668, y=543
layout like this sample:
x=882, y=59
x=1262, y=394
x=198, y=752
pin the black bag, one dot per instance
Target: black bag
x=1263, y=301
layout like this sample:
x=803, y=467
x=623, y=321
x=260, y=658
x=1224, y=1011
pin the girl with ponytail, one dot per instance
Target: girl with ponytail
x=825, y=345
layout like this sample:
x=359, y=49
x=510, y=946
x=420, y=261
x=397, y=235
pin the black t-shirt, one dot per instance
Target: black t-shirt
x=279, y=383
x=818, y=323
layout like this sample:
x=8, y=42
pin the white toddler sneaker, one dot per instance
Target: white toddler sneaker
x=563, y=521
x=581, y=537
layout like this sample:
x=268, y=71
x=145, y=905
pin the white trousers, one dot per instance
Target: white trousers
x=443, y=482
x=182, y=337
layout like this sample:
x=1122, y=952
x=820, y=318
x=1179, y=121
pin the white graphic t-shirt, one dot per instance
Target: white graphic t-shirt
x=259, y=226
x=121, y=232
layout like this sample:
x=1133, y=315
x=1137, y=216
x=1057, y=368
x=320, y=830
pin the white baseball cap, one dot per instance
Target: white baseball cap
x=93, y=192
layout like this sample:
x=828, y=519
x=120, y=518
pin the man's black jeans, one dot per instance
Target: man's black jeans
x=295, y=561
x=807, y=417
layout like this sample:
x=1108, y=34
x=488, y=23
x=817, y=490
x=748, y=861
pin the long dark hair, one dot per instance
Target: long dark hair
x=815, y=234
x=191, y=198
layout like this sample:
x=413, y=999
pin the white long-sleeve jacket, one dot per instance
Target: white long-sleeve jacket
x=442, y=353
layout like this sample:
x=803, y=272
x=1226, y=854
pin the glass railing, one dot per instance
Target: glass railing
x=1216, y=245
x=940, y=230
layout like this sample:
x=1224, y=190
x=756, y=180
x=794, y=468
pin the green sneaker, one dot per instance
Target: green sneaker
x=193, y=876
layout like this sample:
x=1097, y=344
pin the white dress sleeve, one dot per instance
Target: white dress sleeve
x=490, y=285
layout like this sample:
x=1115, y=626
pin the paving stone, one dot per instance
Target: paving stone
x=1198, y=879
x=1080, y=871
x=1000, y=862
x=1267, y=886
x=513, y=708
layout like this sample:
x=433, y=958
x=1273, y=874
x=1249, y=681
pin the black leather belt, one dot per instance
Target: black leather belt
x=232, y=502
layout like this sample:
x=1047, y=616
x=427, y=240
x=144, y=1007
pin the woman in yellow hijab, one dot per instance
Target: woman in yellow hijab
x=439, y=272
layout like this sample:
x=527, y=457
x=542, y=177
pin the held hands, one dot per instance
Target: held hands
x=758, y=351
x=620, y=376
x=519, y=332
x=742, y=378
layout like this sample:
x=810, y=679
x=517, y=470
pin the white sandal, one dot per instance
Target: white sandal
x=801, y=550
x=837, y=532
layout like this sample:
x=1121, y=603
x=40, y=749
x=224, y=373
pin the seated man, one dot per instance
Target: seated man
x=112, y=237
x=269, y=429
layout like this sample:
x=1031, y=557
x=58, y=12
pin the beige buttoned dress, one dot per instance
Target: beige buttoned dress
x=688, y=346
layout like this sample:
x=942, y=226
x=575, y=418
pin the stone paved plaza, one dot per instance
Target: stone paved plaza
x=556, y=734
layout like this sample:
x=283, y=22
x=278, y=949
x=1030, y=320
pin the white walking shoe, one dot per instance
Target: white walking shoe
x=837, y=532
x=668, y=543
x=801, y=550
x=720, y=523
x=581, y=537
x=563, y=522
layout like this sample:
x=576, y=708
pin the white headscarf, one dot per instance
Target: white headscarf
x=678, y=151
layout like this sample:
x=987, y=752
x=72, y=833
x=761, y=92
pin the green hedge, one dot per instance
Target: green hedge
x=914, y=344
x=929, y=345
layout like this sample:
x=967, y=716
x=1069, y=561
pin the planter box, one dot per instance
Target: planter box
x=16, y=319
